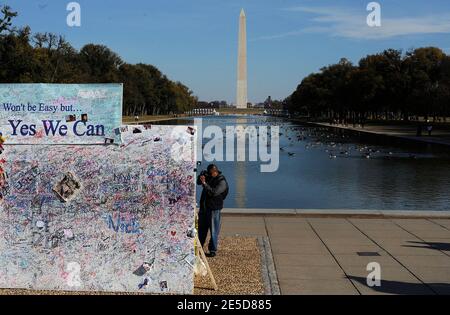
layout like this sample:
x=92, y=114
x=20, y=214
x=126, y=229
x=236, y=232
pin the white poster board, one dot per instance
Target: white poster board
x=101, y=217
x=80, y=214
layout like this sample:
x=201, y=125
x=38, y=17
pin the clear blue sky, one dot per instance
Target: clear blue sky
x=195, y=41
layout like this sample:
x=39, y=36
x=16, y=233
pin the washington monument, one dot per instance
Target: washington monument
x=242, y=63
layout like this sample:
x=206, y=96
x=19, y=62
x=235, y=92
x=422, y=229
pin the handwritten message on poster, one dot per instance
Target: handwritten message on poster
x=60, y=113
x=101, y=217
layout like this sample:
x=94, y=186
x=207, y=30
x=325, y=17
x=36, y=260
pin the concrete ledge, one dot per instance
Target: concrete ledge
x=259, y=211
x=419, y=214
x=337, y=212
x=269, y=272
x=340, y=213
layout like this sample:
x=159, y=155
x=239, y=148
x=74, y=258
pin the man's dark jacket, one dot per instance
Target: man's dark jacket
x=214, y=192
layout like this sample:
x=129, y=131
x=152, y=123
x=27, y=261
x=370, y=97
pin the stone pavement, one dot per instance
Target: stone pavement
x=326, y=255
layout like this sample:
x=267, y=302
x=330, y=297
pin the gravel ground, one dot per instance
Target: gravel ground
x=236, y=268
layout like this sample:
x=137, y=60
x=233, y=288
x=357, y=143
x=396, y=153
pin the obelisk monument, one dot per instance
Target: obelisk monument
x=242, y=63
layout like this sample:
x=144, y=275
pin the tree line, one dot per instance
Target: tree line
x=49, y=58
x=390, y=85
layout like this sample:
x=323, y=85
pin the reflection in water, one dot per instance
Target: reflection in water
x=240, y=192
x=323, y=168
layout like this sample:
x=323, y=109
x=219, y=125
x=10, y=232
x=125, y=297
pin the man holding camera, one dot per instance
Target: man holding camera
x=215, y=190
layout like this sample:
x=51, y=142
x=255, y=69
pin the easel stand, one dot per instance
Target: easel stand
x=203, y=256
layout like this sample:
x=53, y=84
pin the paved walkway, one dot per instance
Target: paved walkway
x=441, y=137
x=330, y=255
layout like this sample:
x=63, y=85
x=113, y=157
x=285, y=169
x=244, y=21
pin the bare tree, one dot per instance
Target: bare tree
x=5, y=20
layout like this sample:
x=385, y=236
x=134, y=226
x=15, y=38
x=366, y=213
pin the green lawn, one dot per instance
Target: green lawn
x=247, y=111
x=223, y=111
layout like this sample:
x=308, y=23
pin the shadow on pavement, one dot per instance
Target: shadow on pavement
x=404, y=288
x=430, y=245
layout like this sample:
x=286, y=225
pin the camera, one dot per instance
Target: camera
x=204, y=173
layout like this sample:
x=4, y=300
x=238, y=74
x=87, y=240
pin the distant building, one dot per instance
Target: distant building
x=201, y=104
x=213, y=104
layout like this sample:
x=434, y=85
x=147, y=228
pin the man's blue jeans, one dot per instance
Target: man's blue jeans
x=209, y=220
